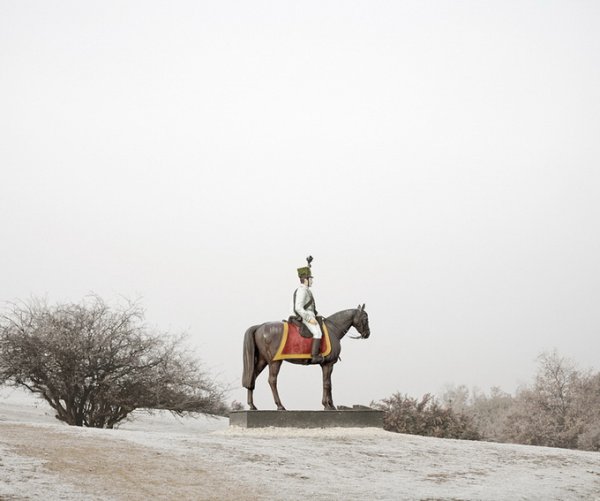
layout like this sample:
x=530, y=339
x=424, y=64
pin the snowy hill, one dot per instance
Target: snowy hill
x=161, y=457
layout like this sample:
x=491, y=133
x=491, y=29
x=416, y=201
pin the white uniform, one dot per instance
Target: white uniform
x=305, y=307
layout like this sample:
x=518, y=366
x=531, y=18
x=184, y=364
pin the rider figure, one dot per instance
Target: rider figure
x=304, y=309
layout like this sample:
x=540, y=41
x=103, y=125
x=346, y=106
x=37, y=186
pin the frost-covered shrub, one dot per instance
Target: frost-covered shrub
x=488, y=412
x=94, y=364
x=404, y=414
x=560, y=409
x=589, y=440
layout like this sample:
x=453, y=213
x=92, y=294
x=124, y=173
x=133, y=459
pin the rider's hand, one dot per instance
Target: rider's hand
x=312, y=321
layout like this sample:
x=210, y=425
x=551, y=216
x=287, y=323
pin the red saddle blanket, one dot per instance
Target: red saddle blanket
x=293, y=345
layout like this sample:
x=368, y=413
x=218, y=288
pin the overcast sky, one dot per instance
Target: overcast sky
x=440, y=161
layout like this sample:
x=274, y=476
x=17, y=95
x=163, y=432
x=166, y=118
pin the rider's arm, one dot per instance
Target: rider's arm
x=301, y=296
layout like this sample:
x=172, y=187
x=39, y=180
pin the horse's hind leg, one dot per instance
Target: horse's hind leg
x=258, y=368
x=273, y=372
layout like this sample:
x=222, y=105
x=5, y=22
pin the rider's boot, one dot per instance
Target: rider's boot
x=314, y=352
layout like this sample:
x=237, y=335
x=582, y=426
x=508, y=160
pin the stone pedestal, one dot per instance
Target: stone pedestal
x=358, y=418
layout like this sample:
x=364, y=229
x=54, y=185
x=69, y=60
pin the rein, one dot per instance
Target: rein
x=345, y=323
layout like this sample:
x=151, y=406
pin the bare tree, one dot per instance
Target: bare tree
x=559, y=409
x=545, y=414
x=94, y=364
x=587, y=406
x=488, y=413
x=458, y=398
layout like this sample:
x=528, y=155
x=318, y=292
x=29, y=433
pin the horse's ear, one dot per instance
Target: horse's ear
x=358, y=307
x=363, y=307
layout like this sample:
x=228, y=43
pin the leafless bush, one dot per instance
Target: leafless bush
x=95, y=364
x=560, y=409
x=404, y=414
x=587, y=405
x=487, y=412
x=545, y=414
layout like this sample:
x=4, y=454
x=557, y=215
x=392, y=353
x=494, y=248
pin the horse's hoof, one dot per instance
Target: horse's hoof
x=281, y=408
x=253, y=408
x=330, y=408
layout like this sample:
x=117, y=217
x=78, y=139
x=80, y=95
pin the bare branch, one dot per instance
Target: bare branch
x=94, y=364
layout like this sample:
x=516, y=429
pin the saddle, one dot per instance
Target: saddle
x=302, y=328
x=295, y=347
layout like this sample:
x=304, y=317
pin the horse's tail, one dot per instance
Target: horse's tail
x=249, y=358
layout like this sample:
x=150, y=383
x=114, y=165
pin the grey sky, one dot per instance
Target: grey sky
x=440, y=160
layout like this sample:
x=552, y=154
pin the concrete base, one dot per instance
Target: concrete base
x=360, y=418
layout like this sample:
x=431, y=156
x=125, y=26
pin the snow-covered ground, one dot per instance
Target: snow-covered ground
x=159, y=456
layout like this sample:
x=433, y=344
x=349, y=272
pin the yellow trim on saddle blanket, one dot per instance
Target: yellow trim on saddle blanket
x=284, y=356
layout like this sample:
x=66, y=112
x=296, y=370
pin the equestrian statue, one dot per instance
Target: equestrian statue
x=305, y=338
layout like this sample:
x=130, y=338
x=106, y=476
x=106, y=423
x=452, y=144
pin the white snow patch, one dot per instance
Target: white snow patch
x=336, y=463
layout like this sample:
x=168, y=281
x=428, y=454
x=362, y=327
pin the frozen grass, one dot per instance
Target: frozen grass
x=159, y=456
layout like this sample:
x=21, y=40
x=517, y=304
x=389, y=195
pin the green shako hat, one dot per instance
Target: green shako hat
x=305, y=271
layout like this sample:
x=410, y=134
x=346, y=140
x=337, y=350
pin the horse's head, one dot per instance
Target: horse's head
x=361, y=322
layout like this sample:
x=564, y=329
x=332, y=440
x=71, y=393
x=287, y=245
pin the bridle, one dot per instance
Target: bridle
x=360, y=325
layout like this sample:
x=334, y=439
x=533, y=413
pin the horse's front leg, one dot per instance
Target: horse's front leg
x=273, y=372
x=327, y=398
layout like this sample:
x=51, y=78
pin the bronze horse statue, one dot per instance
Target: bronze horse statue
x=262, y=341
